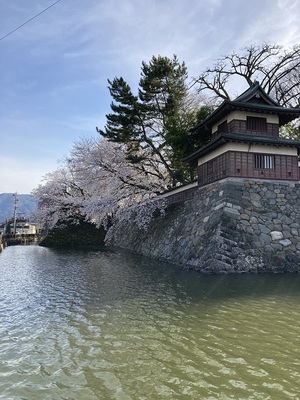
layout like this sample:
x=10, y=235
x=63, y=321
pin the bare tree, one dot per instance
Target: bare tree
x=277, y=69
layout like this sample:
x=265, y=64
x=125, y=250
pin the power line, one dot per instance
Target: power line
x=9, y=33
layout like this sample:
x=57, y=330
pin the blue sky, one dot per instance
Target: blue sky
x=54, y=70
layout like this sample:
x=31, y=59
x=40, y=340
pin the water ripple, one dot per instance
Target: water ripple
x=89, y=326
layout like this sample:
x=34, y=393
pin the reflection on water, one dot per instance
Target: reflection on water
x=100, y=325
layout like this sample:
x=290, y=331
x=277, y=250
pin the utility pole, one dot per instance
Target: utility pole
x=15, y=212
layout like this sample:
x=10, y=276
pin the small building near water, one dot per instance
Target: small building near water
x=20, y=231
x=22, y=227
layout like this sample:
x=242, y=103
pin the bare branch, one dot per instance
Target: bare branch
x=275, y=67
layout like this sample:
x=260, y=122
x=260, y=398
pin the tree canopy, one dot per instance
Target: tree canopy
x=153, y=125
x=95, y=182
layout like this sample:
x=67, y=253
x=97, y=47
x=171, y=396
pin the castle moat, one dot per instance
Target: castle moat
x=93, y=325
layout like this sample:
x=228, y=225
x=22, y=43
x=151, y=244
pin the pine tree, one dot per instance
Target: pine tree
x=151, y=125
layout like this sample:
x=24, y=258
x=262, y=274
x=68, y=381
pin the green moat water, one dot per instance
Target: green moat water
x=101, y=325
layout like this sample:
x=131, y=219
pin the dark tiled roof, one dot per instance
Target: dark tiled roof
x=254, y=99
x=256, y=94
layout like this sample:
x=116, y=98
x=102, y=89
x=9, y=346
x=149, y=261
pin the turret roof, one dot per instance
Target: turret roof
x=254, y=99
x=240, y=138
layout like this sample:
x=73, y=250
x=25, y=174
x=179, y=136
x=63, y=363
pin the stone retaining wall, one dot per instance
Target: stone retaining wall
x=229, y=226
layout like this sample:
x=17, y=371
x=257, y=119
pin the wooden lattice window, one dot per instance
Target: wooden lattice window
x=223, y=127
x=256, y=124
x=264, y=161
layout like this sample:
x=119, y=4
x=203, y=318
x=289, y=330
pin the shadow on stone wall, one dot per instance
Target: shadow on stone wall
x=82, y=234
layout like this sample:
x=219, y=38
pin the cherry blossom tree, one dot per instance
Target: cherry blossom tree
x=98, y=183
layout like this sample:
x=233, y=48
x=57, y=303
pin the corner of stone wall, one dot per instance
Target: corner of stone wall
x=259, y=228
x=231, y=226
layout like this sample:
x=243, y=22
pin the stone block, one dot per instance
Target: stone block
x=265, y=238
x=269, y=248
x=250, y=230
x=244, y=222
x=285, y=242
x=245, y=217
x=286, y=220
x=276, y=235
x=255, y=197
x=231, y=211
x=263, y=228
x=219, y=206
x=276, y=247
x=287, y=234
x=293, y=258
x=246, y=204
x=270, y=195
x=256, y=204
x=253, y=220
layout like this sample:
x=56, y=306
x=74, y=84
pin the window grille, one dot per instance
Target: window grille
x=256, y=124
x=264, y=161
x=223, y=127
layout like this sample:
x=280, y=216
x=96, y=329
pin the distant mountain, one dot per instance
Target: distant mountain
x=26, y=205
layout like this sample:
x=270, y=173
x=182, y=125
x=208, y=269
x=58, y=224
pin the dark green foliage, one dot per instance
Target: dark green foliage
x=154, y=126
x=9, y=229
x=184, y=141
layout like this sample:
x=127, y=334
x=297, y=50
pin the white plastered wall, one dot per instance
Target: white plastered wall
x=242, y=116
